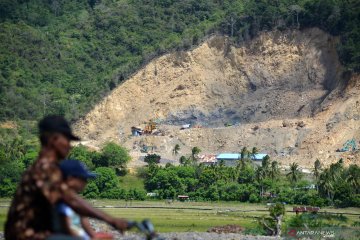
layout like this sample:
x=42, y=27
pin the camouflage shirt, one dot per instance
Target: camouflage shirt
x=31, y=212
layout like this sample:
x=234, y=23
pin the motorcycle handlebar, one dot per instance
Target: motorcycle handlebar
x=145, y=227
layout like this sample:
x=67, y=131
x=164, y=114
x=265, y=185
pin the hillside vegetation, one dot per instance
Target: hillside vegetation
x=61, y=56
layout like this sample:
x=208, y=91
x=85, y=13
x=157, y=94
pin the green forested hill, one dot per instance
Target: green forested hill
x=60, y=56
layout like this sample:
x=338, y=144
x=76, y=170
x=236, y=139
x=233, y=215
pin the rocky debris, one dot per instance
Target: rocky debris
x=245, y=87
x=334, y=120
x=187, y=236
x=196, y=236
x=286, y=123
x=277, y=77
x=212, y=236
x=256, y=127
x=228, y=232
x=300, y=124
x=232, y=228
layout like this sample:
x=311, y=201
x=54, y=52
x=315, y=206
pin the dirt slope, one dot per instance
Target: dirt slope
x=264, y=88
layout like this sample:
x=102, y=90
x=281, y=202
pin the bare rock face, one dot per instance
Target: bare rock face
x=274, y=79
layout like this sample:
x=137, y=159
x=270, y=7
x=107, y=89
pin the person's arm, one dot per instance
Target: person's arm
x=68, y=228
x=48, y=178
x=87, y=227
x=83, y=208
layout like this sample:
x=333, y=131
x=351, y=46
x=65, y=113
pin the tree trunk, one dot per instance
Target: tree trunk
x=278, y=225
x=297, y=20
x=268, y=227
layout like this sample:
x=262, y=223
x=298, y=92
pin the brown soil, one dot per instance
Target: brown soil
x=283, y=92
x=227, y=229
x=8, y=125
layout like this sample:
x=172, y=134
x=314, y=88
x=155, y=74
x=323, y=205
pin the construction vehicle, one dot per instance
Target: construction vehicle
x=150, y=127
x=350, y=145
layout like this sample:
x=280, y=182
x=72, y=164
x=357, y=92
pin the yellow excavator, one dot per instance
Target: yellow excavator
x=150, y=127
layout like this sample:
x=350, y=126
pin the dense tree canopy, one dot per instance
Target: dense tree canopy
x=247, y=183
x=152, y=159
x=112, y=155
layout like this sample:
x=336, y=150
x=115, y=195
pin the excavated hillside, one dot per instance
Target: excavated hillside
x=283, y=92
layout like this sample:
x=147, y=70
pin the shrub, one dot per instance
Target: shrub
x=112, y=155
x=254, y=198
x=7, y=188
x=136, y=194
x=152, y=159
x=82, y=154
x=106, y=179
x=91, y=191
x=114, y=193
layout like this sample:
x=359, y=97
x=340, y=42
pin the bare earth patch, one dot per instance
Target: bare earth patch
x=232, y=228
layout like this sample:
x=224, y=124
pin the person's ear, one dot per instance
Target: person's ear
x=51, y=140
x=55, y=139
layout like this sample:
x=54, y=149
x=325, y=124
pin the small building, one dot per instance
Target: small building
x=258, y=156
x=230, y=159
x=152, y=194
x=183, y=198
x=311, y=186
x=207, y=159
x=136, y=131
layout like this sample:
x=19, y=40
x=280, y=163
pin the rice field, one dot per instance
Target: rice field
x=191, y=216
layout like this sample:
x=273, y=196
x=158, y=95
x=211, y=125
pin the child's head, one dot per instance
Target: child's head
x=75, y=174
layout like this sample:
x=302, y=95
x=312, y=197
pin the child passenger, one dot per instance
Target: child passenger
x=75, y=175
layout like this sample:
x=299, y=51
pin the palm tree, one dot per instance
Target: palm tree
x=260, y=176
x=336, y=169
x=326, y=180
x=244, y=153
x=353, y=177
x=195, y=151
x=295, y=173
x=183, y=160
x=254, y=151
x=266, y=165
x=330, y=176
x=316, y=172
x=176, y=149
x=274, y=170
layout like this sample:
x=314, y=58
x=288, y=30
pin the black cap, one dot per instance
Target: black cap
x=56, y=124
x=75, y=168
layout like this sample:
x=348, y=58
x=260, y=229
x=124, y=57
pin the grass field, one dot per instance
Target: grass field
x=191, y=216
x=3, y=212
x=131, y=181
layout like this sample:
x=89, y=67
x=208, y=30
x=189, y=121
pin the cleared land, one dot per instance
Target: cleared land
x=192, y=216
x=279, y=92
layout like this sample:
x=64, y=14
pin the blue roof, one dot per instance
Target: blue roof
x=258, y=156
x=228, y=156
